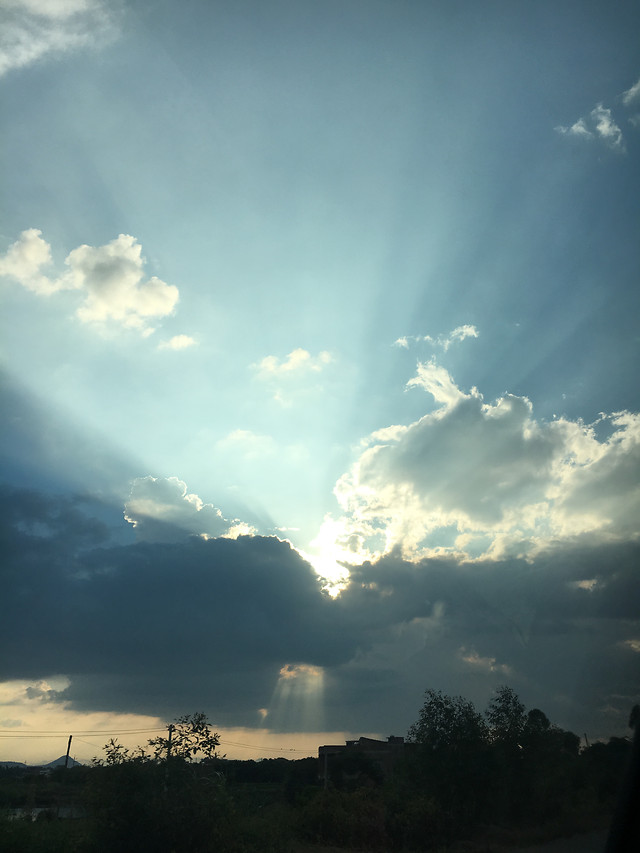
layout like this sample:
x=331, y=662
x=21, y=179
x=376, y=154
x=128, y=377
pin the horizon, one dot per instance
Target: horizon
x=319, y=365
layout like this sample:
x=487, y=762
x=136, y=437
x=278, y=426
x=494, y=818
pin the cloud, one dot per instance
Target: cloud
x=162, y=510
x=34, y=30
x=606, y=127
x=461, y=627
x=443, y=341
x=24, y=260
x=249, y=444
x=286, y=375
x=631, y=100
x=631, y=95
x=234, y=621
x=438, y=382
x=481, y=479
x=110, y=278
x=222, y=615
x=579, y=129
x=298, y=362
x=600, y=125
x=489, y=664
x=178, y=342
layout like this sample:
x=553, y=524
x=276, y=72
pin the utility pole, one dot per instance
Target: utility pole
x=171, y=731
x=166, y=768
x=66, y=761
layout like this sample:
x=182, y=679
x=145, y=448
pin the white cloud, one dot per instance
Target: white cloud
x=631, y=100
x=24, y=261
x=161, y=509
x=487, y=664
x=459, y=334
x=606, y=127
x=110, y=277
x=443, y=341
x=438, y=382
x=32, y=30
x=247, y=443
x=578, y=129
x=599, y=124
x=178, y=342
x=292, y=373
x=480, y=479
x=631, y=95
x=51, y=8
x=298, y=361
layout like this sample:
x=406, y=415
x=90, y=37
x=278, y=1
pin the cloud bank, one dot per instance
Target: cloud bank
x=163, y=626
x=502, y=548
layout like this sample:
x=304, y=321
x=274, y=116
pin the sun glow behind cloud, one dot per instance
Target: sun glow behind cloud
x=507, y=483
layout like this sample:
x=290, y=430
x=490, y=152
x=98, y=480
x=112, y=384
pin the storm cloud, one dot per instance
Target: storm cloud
x=164, y=627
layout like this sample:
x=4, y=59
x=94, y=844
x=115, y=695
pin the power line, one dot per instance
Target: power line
x=38, y=733
x=89, y=732
x=262, y=748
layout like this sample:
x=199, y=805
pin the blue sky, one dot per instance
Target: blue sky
x=358, y=281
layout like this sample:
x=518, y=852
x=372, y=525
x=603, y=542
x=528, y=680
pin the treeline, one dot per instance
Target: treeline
x=495, y=779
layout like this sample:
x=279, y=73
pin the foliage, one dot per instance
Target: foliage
x=507, y=718
x=449, y=766
x=161, y=807
x=462, y=772
x=353, y=819
x=117, y=753
x=509, y=768
x=191, y=737
x=447, y=722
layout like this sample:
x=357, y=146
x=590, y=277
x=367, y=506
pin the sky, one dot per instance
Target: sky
x=320, y=364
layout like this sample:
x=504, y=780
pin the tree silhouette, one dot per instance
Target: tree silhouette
x=189, y=738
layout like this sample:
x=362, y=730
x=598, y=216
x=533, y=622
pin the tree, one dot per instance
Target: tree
x=117, y=753
x=447, y=722
x=507, y=718
x=190, y=738
x=164, y=798
x=449, y=765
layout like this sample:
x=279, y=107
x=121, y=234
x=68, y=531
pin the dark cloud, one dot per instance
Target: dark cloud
x=156, y=626
x=166, y=627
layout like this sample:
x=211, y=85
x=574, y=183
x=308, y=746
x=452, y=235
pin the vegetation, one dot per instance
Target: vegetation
x=493, y=779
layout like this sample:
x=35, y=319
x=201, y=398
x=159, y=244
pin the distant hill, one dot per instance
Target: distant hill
x=58, y=762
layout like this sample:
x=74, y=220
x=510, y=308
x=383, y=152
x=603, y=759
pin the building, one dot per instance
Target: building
x=355, y=755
